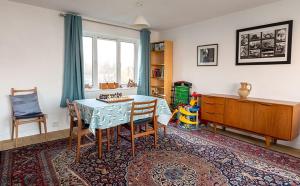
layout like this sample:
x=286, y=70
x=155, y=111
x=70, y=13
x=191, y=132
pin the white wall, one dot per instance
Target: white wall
x=31, y=54
x=269, y=81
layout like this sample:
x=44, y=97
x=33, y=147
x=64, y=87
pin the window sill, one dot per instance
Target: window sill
x=115, y=89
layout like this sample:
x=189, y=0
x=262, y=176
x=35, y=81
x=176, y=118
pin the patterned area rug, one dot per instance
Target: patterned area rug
x=182, y=158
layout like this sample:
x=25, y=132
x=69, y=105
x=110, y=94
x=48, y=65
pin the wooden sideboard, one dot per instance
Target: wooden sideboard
x=269, y=118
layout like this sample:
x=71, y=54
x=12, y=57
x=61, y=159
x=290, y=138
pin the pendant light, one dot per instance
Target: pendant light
x=140, y=21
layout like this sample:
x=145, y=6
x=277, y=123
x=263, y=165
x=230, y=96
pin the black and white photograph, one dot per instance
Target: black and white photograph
x=207, y=55
x=244, y=39
x=254, y=45
x=255, y=36
x=266, y=44
x=254, y=53
x=268, y=34
x=244, y=51
x=280, y=49
x=267, y=52
x=281, y=35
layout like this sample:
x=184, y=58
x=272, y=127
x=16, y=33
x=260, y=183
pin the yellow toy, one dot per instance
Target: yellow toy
x=188, y=115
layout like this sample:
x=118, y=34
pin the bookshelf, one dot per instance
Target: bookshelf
x=161, y=62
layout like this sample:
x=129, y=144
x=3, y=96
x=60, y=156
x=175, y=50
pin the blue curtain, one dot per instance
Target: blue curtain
x=144, y=67
x=73, y=82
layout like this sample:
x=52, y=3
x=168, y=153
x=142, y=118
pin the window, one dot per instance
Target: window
x=109, y=59
x=88, y=60
x=127, y=61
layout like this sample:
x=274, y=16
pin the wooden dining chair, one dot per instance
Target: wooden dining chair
x=83, y=130
x=143, y=109
x=26, y=109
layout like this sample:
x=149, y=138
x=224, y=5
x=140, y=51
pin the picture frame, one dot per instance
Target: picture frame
x=265, y=45
x=207, y=55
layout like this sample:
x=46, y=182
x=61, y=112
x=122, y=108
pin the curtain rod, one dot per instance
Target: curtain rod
x=103, y=23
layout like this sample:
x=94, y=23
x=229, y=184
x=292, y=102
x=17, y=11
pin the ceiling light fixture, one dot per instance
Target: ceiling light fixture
x=140, y=21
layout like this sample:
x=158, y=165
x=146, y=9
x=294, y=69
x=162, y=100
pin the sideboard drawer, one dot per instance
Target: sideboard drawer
x=213, y=117
x=213, y=108
x=215, y=100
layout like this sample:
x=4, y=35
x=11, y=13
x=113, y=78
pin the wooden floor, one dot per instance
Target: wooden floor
x=29, y=140
x=9, y=144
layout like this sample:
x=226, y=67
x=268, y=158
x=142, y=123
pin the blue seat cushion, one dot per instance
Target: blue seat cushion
x=84, y=125
x=25, y=105
x=36, y=115
x=142, y=121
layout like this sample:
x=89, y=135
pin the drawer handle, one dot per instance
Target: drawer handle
x=243, y=101
x=209, y=103
x=210, y=113
x=265, y=104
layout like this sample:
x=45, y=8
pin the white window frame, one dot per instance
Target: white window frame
x=118, y=40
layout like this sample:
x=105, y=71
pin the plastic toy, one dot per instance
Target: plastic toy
x=181, y=93
x=188, y=115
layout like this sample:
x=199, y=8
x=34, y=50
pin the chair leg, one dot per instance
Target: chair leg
x=146, y=129
x=132, y=144
x=78, y=148
x=165, y=131
x=40, y=127
x=155, y=127
x=118, y=135
x=70, y=136
x=112, y=135
x=155, y=139
x=99, y=143
x=12, y=130
x=70, y=139
x=16, y=142
x=45, y=128
x=108, y=139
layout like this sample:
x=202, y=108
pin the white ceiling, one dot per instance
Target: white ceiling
x=162, y=14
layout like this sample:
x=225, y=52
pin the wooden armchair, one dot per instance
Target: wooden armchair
x=25, y=109
x=141, y=109
x=83, y=130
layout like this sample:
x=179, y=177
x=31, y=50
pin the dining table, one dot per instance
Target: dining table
x=102, y=115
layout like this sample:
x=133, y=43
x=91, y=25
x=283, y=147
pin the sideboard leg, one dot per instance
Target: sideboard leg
x=274, y=141
x=215, y=128
x=223, y=128
x=268, y=141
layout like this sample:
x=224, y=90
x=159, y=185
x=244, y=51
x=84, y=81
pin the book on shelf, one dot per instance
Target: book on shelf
x=158, y=73
x=158, y=47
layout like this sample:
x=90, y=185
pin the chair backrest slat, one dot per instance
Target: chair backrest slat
x=142, y=113
x=144, y=102
x=15, y=91
x=143, y=108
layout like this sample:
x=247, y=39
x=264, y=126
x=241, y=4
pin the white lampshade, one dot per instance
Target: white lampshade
x=141, y=22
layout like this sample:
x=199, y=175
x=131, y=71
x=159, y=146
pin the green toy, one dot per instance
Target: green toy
x=181, y=92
